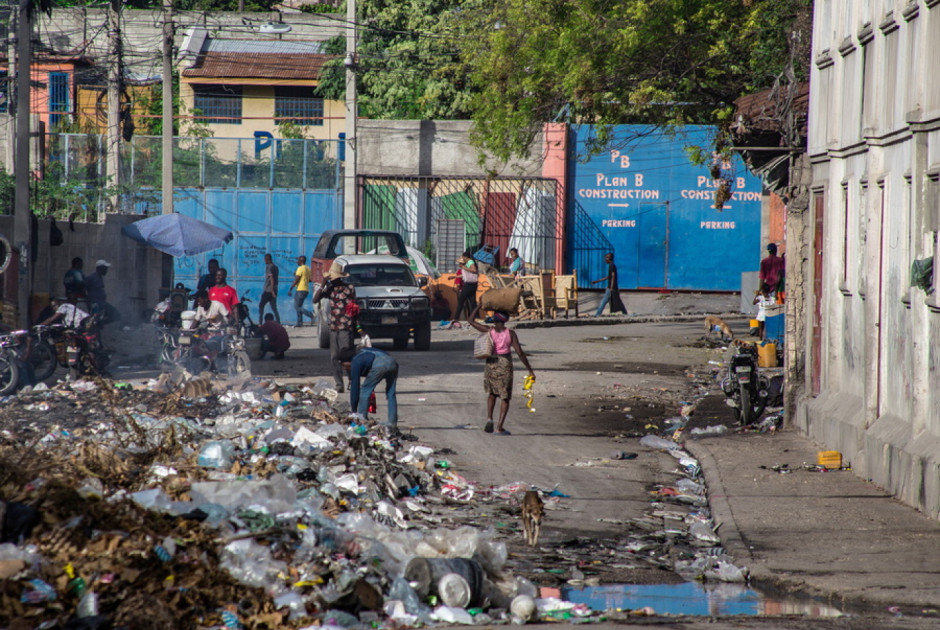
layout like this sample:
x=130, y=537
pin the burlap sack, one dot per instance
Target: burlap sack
x=501, y=300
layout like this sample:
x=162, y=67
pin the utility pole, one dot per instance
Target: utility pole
x=21, y=213
x=114, y=101
x=349, y=183
x=167, y=107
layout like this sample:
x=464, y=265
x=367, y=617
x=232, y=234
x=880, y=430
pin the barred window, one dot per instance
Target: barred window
x=299, y=105
x=219, y=104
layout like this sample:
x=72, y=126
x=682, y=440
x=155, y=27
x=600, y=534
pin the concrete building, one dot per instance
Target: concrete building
x=872, y=343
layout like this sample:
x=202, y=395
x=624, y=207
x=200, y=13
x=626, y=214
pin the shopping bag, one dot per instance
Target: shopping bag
x=483, y=347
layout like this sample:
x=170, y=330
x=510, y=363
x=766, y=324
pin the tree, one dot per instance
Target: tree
x=658, y=62
x=409, y=63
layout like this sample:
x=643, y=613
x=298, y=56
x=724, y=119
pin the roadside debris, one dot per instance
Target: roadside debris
x=241, y=504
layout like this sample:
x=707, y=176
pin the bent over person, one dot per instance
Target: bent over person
x=374, y=366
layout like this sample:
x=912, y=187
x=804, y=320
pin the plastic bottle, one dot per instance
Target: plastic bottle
x=709, y=431
x=373, y=403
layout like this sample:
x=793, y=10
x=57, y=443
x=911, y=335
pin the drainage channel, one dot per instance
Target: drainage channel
x=693, y=598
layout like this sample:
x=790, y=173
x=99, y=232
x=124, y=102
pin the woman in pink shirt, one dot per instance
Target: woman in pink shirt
x=497, y=375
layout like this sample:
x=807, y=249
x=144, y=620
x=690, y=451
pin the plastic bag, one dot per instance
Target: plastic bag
x=483, y=346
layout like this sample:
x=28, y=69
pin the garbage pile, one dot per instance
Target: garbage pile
x=679, y=531
x=236, y=504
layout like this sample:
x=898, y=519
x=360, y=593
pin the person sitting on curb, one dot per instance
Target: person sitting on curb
x=375, y=366
x=276, y=339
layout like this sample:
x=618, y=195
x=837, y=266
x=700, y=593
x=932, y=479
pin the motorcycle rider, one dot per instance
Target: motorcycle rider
x=67, y=312
x=214, y=313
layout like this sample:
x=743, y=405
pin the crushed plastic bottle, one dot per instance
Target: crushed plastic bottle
x=709, y=431
x=217, y=454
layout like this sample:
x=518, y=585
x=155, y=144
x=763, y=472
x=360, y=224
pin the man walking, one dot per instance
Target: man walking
x=612, y=294
x=302, y=285
x=342, y=298
x=375, y=366
x=269, y=291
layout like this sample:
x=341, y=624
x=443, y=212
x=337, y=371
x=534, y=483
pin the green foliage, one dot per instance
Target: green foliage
x=321, y=8
x=409, y=62
x=659, y=62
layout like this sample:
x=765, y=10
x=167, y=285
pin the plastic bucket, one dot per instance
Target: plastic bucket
x=187, y=319
x=434, y=575
x=767, y=355
x=253, y=348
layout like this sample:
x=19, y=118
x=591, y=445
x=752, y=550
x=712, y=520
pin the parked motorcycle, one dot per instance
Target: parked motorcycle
x=204, y=349
x=9, y=372
x=745, y=387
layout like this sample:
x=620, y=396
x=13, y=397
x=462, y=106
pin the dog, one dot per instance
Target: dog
x=713, y=323
x=532, y=511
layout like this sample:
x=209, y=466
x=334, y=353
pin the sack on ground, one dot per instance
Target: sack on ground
x=506, y=299
x=483, y=347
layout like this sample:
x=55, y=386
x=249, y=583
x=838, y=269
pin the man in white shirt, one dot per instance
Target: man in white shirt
x=66, y=312
x=215, y=313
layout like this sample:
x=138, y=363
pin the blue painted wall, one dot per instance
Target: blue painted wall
x=284, y=223
x=657, y=210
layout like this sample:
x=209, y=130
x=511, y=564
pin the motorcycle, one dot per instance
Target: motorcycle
x=745, y=387
x=9, y=369
x=203, y=349
x=84, y=352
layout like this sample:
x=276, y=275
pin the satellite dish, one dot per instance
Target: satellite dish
x=275, y=28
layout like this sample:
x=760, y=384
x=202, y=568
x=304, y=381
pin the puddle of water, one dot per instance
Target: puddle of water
x=692, y=598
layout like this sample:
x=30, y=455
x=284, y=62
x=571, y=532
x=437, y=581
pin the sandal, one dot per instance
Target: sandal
x=503, y=432
x=488, y=427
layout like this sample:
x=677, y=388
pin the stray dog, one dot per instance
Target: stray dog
x=713, y=323
x=532, y=511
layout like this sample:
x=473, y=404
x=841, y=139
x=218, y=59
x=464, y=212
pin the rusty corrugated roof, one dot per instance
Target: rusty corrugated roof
x=218, y=65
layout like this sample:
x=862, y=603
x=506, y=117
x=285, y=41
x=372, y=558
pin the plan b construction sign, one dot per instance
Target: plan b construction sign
x=658, y=209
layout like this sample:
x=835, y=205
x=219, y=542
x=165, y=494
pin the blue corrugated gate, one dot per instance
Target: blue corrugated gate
x=657, y=211
x=283, y=223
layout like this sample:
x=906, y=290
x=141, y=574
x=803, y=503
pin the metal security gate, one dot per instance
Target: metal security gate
x=501, y=213
x=283, y=223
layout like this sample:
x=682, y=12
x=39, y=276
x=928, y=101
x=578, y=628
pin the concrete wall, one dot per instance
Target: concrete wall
x=875, y=151
x=430, y=147
x=133, y=282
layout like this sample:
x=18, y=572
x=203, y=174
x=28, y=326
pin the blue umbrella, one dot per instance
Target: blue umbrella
x=177, y=234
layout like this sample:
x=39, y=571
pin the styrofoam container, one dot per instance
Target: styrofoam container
x=188, y=319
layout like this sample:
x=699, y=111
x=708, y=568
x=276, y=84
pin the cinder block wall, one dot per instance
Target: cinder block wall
x=134, y=280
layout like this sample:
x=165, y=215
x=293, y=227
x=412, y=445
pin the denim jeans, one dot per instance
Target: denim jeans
x=604, y=302
x=384, y=367
x=299, y=298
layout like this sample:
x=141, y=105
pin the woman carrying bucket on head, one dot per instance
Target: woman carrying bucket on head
x=497, y=375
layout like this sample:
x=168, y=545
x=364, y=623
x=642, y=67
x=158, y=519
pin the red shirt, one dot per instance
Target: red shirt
x=277, y=336
x=772, y=270
x=226, y=295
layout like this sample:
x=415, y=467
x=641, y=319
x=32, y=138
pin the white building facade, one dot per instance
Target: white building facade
x=872, y=345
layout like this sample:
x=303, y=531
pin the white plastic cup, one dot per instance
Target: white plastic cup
x=523, y=607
